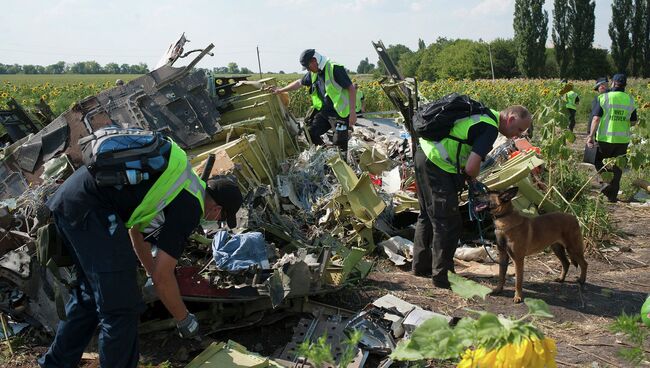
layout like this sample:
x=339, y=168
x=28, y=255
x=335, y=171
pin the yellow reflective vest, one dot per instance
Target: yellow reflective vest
x=571, y=97
x=177, y=176
x=449, y=154
x=339, y=95
x=614, y=125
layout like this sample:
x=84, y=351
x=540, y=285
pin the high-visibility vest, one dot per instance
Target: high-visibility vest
x=571, y=100
x=177, y=176
x=449, y=154
x=614, y=125
x=340, y=96
x=359, y=98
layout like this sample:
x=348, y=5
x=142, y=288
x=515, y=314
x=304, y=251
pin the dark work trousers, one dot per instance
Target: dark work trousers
x=107, y=296
x=438, y=227
x=607, y=150
x=324, y=121
x=572, y=119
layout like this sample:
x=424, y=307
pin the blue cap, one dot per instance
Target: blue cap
x=620, y=78
x=599, y=82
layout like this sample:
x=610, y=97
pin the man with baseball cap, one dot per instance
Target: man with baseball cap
x=600, y=87
x=333, y=96
x=96, y=222
x=610, y=128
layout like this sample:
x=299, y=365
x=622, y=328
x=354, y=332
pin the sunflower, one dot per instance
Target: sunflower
x=530, y=352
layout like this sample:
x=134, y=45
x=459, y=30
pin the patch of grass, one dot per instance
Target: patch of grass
x=635, y=333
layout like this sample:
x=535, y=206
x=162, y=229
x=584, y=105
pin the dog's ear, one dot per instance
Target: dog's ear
x=508, y=195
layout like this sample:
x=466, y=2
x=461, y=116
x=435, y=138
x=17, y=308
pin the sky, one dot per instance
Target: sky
x=44, y=32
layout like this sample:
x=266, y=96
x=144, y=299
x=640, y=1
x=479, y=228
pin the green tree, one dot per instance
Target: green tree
x=29, y=69
x=646, y=37
x=245, y=70
x=638, y=32
x=395, y=52
x=619, y=31
x=421, y=44
x=233, y=68
x=582, y=36
x=365, y=67
x=464, y=59
x=531, y=29
x=58, y=68
x=562, y=27
x=112, y=68
x=504, y=57
x=598, y=63
x=409, y=63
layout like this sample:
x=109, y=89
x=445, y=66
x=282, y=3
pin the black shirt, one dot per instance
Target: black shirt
x=481, y=137
x=597, y=110
x=340, y=76
x=79, y=195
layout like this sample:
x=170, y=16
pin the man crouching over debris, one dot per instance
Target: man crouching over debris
x=333, y=97
x=94, y=222
x=441, y=168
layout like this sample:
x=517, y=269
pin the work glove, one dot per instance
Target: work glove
x=189, y=327
x=149, y=292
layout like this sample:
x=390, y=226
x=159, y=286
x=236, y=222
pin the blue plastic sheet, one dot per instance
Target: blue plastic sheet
x=239, y=251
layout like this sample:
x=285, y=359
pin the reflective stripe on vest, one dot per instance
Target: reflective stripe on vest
x=443, y=154
x=615, y=123
x=316, y=102
x=177, y=176
x=340, y=96
x=571, y=100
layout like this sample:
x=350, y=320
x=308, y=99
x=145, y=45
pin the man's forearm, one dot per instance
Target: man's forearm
x=169, y=294
x=290, y=87
x=594, y=125
x=142, y=250
x=473, y=165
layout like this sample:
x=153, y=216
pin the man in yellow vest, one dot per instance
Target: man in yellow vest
x=94, y=223
x=572, y=100
x=333, y=96
x=610, y=130
x=441, y=169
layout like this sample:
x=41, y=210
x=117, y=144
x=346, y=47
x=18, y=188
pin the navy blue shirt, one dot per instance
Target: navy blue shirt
x=481, y=137
x=79, y=195
x=340, y=76
x=597, y=110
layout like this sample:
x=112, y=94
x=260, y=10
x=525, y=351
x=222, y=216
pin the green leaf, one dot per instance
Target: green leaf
x=569, y=136
x=489, y=331
x=538, y=308
x=403, y=351
x=467, y=288
x=434, y=339
x=465, y=331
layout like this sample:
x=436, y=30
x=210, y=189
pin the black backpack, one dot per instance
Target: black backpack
x=124, y=156
x=433, y=121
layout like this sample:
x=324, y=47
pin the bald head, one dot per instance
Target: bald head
x=514, y=120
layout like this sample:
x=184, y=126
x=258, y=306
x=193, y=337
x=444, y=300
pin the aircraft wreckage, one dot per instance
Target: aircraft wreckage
x=309, y=218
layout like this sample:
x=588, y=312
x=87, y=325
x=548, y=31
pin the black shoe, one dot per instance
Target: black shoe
x=442, y=284
x=421, y=274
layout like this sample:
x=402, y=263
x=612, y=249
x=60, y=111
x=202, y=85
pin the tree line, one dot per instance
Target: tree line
x=526, y=55
x=82, y=67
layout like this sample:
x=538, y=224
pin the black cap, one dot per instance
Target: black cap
x=620, y=78
x=306, y=57
x=599, y=82
x=225, y=192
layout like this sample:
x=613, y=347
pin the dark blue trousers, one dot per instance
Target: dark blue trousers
x=107, y=298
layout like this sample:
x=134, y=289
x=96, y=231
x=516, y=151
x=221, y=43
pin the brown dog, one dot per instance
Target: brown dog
x=519, y=236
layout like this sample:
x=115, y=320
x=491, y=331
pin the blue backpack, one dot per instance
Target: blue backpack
x=124, y=156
